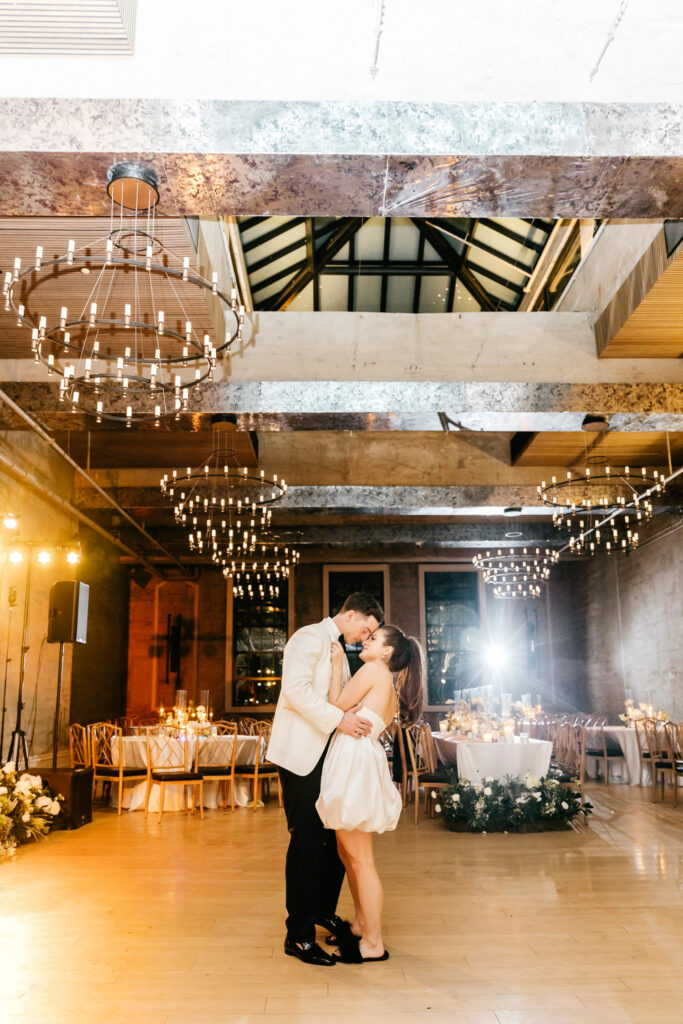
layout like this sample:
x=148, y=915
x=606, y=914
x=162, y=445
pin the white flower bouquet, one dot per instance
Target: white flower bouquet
x=28, y=809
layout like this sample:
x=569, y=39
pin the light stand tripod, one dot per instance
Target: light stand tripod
x=17, y=744
x=11, y=601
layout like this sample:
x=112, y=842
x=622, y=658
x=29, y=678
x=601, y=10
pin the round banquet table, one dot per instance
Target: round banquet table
x=477, y=761
x=212, y=750
x=626, y=737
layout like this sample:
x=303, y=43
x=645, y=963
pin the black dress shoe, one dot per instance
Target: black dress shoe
x=337, y=927
x=309, y=953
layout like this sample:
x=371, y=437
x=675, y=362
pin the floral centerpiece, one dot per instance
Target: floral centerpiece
x=510, y=805
x=28, y=810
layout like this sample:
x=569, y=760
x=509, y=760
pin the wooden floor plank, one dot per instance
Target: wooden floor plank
x=183, y=922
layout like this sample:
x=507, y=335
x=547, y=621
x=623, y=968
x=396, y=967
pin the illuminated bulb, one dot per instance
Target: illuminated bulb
x=17, y=267
x=10, y=522
x=148, y=258
x=73, y=557
x=93, y=313
x=44, y=557
x=161, y=321
x=15, y=557
x=99, y=412
x=126, y=314
x=186, y=267
x=70, y=251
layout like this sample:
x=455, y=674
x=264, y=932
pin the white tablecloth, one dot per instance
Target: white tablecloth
x=628, y=741
x=213, y=750
x=477, y=761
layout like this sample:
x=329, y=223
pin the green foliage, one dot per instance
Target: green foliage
x=510, y=805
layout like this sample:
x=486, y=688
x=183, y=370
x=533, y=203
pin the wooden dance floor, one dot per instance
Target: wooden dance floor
x=132, y=922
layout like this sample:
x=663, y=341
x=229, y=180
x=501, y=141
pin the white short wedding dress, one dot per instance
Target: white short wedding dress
x=356, y=791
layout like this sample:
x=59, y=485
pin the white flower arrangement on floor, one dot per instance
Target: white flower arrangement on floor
x=511, y=805
x=28, y=810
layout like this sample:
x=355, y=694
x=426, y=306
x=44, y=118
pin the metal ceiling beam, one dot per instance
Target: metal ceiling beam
x=470, y=242
x=268, y=281
x=346, y=228
x=275, y=232
x=514, y=236
x=504, y=282
x=385, y=259
x=418, y=277
x=448, y=254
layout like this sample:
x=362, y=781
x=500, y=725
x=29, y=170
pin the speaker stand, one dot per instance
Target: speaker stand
x=55, y=733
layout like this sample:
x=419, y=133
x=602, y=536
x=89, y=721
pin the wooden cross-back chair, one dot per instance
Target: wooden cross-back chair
x=602, y=747
x=261, y=771
x=215, y=761
x=80, y=755
x=420, y=764
x=169, y=762
x=106, y=746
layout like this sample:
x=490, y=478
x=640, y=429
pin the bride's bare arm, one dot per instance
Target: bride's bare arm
x=337, y=655
x=357, y=687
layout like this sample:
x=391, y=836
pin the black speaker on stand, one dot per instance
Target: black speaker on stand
x=67, y=624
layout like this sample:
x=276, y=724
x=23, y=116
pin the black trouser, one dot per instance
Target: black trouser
x=314, y=873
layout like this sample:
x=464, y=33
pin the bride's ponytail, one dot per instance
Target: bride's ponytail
x=407, y=663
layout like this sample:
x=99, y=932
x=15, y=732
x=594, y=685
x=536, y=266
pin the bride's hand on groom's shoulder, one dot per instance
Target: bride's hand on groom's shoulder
x=336, y=653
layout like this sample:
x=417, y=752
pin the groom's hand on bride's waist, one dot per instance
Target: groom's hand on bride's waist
x=354, y=726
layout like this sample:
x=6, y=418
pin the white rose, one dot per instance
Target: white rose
x=43, y=801
x=3, y=790
x=26, y=816
x=433, y=794
x=54, y=808
x=565, y=805
x=489, y=778
x=437, y=808
x=530, y=781
x=456, y=798
x=538, y=797
x=487, y=791
x=9, y=768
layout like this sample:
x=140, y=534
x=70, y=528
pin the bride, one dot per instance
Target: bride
x=357, y=796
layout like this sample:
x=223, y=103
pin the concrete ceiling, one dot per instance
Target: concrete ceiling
x=392, y=429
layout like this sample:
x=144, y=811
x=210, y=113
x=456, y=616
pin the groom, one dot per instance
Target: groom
x=302, y=727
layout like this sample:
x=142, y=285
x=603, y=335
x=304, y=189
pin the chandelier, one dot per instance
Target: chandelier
x=516, y=573
x=134, y=345
x=600, y=507
x=263, y=573
x=221, y=507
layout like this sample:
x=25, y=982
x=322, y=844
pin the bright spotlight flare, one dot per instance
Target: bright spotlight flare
x=129, y=351
x=495, y=655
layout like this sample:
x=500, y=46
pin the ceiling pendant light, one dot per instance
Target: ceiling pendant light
x=133, y=333
x=516, y=572
x=601, y=508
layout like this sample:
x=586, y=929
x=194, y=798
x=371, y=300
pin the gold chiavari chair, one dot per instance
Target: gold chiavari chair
x=664, y=740
x=248, y=726
x=600, y=746
x=223, y=769
x=420, y=765
x=570, y=760
x=169, y=760
x=106, y=746
x=80, y=755
x=261, y=771
x=649, y=747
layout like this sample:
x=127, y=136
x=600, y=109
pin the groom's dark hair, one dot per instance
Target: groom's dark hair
x=363, y=603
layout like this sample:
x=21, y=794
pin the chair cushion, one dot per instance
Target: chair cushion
x=214, y=769
x=245, y=769
x=113, y=773
x=442, y=777
x=175, y=775
x=664, y=764
x=598, y=752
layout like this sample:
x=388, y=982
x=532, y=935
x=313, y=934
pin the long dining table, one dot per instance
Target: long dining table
x=213, y=750
x=476, y=760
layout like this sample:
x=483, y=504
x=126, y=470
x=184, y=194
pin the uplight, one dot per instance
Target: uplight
x=15, y=557
x=44, y=557
x=10, y=522
x=73, y=557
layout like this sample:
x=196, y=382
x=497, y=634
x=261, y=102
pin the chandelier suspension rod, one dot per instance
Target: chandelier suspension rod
x=631, y=504
x=43, y=434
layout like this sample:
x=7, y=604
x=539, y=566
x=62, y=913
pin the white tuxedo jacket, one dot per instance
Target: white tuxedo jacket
x=303, y=718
